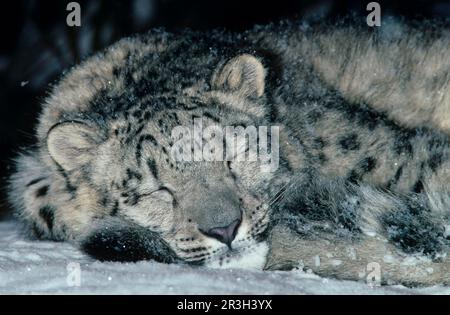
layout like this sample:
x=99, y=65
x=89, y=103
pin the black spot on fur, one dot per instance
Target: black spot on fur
x=133, y=198
x=369, y=119
x=212, y=117
x=137, y=113
x=41, y=192
x=368, y=164
x=115, y=208
x=123, y=241
x=435, y=160
x=147, y=116
x=362, y=114
x=133, y=175
x=412, y=229
x=354, y=176
x=152, y=167
x=47, y=213
x=314, y=115
x=116, y=72
x=104, y=201
x=70, y=188
x=396, y=177
x=142, y=139
x=418, y=186
x=37, y=232
x=363, y=167
x=437, y=143
x=319, y=143
x=402, y=144
x=322, y=158
x=175, y=118
x=142, y=89
x=139, y=130
x=349, y=142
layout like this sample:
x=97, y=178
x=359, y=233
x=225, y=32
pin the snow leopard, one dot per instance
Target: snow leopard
x=363, y=169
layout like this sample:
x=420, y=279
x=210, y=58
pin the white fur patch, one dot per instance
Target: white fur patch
x=253, y=257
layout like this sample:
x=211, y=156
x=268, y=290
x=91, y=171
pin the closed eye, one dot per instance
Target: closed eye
x=162, y=193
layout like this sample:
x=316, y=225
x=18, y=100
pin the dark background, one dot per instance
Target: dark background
x=36, y=44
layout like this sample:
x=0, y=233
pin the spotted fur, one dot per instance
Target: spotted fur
x=356, y=182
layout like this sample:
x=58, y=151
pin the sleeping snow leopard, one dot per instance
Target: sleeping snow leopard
x=364, y=154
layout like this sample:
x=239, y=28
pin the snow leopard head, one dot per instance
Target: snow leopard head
x=132, y=156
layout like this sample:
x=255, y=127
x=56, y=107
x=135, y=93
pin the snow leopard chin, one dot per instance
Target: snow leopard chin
x=250, y=258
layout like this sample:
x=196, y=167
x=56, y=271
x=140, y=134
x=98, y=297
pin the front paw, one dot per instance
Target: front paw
x=120, y=240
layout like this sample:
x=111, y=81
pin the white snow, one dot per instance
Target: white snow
x=28, y=266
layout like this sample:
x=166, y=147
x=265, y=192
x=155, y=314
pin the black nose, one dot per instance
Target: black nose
x=225, y=234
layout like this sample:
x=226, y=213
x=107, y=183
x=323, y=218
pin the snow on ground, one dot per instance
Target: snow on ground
x=28, y=266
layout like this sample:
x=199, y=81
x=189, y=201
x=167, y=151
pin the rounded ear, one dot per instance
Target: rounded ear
x=244, y=74
x=72, y=144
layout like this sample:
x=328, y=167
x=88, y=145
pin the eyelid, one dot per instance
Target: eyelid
x=164, y=188
x=159, y=190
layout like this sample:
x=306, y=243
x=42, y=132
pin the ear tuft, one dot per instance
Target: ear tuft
x=244, y=74
x=72, y=144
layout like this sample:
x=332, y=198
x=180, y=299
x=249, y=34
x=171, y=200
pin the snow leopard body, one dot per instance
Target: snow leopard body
x=363, y=174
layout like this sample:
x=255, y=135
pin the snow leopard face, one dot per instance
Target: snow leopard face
x=141, y=164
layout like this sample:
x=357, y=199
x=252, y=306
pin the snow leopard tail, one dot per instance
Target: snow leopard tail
x=336, y=228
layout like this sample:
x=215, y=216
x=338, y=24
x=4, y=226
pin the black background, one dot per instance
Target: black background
x=36, y=44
